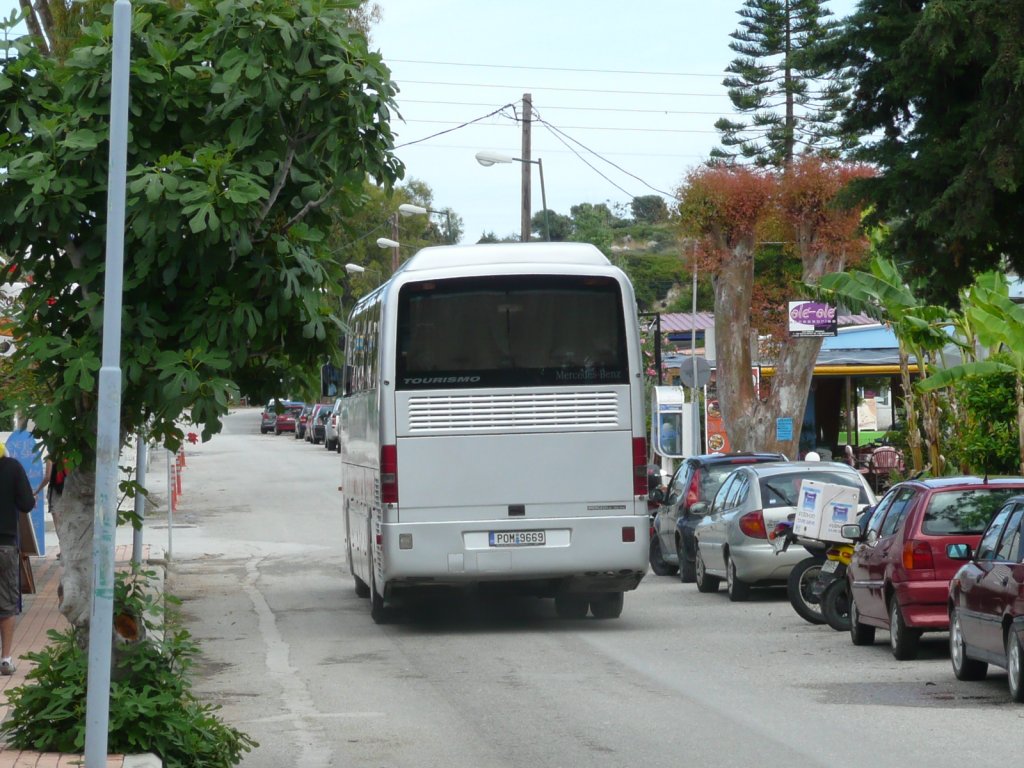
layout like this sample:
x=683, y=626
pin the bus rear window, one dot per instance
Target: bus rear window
x=502, y=331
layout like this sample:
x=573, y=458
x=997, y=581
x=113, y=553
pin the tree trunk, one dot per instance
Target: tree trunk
x=913, y=435
x=737, y=399
x=75, y=515
x=752, y=423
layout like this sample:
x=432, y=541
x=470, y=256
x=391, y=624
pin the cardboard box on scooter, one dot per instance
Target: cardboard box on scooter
x=823, y=509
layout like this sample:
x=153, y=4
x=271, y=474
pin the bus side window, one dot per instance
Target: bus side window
x=346, y=386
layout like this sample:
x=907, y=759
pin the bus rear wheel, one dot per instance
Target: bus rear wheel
x=377, y=610
x=607, y=605
x=362, y=588
x=570, y=606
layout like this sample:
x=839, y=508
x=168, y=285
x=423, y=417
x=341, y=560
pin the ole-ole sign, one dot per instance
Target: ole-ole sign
x=811, y=318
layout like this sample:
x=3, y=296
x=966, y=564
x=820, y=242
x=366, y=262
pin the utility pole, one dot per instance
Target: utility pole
x=527, y=119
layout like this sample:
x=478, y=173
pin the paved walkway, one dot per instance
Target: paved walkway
x=39, y=615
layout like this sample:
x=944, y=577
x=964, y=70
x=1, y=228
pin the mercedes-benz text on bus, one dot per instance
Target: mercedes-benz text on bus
x=492, y=428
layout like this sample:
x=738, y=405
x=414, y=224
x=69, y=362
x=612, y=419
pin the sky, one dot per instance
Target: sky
x=633, y=85
x=625, y=97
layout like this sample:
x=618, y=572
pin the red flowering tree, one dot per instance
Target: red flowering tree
x=737, y=212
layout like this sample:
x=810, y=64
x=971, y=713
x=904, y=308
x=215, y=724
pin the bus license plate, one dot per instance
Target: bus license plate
x=517, y=538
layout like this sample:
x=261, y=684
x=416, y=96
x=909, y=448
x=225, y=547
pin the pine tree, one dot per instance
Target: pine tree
x=779, y=44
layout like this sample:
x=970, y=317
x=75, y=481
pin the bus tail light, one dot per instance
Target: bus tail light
x=389, y=474
x=639, y=466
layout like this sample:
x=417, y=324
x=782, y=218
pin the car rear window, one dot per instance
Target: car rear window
x=713, y=475
x=952, y=513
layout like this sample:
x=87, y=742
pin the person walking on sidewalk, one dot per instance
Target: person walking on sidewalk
x=15, y=497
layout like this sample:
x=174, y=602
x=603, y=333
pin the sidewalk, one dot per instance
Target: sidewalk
x=39, y=615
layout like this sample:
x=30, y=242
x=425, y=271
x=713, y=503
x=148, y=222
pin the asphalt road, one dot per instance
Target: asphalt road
x=682, y=679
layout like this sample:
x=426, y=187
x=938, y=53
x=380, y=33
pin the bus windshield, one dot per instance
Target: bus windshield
x=501, y=331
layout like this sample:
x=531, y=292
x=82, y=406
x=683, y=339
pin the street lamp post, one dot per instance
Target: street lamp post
x=488, y=159
x=408, y=209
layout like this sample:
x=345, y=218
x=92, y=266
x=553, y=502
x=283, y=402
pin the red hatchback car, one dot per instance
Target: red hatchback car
x=900, y=572
x=986, y=601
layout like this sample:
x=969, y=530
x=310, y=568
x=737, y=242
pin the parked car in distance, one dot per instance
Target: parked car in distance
x=268, y=419
x=690, y=493
x=986, y=601
x=300, y=423
x=732, y=539
x=900, y=571
x=287, y=417
x=319, y=424
x=332, y=441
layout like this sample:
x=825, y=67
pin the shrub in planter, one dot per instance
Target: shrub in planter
x=152, y=707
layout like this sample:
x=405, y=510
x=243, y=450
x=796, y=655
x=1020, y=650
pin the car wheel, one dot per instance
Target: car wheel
x=860, y=634
x=658, y=564
x=277, y=430
x=687, y=568
x=1015, y=666
x=964, y=667
x=799, y=588
x=705, y=581
x=738, y=590
x=569, y=606
x=903, y=640
x=607, y=605
x=835, y=605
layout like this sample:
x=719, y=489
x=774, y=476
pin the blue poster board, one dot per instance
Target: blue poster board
x=784, y=429
x=22, y=446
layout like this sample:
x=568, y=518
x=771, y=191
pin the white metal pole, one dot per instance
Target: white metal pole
x=170, y=507
x=101, y=620
x=695, y=406
x=141, y=457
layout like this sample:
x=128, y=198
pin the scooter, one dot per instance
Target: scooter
x=799, y=586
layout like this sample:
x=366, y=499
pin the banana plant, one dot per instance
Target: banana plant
x=998, y=324
x=920, y=329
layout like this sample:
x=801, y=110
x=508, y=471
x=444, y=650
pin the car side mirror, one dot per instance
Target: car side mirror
x=698, y=508
x=852, y=532
x=958, y=551
x=657, y=495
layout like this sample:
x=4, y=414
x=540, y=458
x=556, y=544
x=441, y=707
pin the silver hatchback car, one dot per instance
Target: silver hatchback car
x=732, y=538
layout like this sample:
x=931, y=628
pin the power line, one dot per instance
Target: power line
x=571, y=109
x=560, y=133
x=528, y=88
x=560, y=69
x=474, y=148
x=583, y=127
x=499, y=110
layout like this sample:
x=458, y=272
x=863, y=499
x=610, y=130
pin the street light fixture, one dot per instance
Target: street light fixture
x=408, y=209
x=488, y=159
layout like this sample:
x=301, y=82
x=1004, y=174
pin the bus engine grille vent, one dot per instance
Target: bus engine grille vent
x=459, y=413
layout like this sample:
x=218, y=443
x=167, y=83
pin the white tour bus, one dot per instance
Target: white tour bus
x=492, y=428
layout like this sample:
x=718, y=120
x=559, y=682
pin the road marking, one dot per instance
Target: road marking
x=295, y=696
